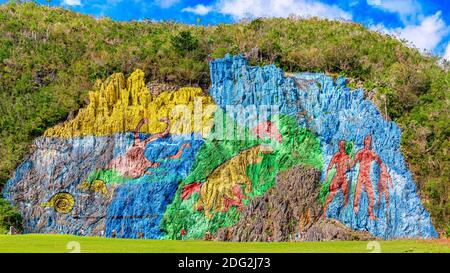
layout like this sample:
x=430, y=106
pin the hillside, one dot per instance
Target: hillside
x=262, y=156
x=50, y=58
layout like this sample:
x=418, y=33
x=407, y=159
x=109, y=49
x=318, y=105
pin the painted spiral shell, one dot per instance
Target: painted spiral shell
x=62, y=202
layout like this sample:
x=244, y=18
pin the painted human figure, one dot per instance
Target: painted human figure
x=384, y=183
x=342, y=162
x=365, y=157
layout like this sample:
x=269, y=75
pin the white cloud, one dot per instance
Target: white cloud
x=397, y=6
x=447, y=52
x=239, y=9
x=426, y=35
x=408, y=10
x=199, y=9
x=71, y=2
x=166, y=3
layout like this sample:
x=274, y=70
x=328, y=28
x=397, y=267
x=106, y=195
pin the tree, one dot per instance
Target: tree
x=184, y=42
x=9, y=216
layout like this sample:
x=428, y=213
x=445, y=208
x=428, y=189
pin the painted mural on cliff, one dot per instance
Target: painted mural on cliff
x=128, y=165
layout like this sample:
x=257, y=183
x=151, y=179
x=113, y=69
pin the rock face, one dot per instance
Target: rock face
x=333, y=230
x=232, y=173
x=131, y=205
x=134, y=162
x=335, y=113
x=49, y=171
x=74, y=162
x=288, y=212
x=118, y=104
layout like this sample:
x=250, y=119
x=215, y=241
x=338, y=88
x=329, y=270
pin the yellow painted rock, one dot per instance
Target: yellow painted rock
x=220, y=183
x=117, y=105
x=94, y=186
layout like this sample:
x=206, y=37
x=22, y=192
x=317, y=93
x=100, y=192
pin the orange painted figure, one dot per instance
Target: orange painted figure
x=342, y=162
x=190, y=189
x=269, y=130
x=180, y=151
x=134, y=164
x=383, y=186
x=236, y=200
x=365, y=156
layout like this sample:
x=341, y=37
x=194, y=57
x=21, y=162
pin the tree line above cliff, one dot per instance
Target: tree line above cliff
x=50, y=58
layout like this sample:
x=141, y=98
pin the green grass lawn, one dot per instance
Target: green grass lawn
x=38, y=243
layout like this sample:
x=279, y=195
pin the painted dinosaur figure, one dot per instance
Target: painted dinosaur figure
x=223, y=187
x=134, y=164
x=190, y=189
x=96, y=185
x=180, y=151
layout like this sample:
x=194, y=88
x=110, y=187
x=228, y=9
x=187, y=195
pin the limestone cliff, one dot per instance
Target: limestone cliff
x=117, y=105
x=289, y=212
x=335, y=114
x=139, y=163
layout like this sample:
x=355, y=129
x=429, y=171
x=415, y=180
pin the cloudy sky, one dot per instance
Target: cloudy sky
x=424, y=23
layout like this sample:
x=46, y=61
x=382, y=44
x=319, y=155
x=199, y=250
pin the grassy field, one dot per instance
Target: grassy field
x=41, y=243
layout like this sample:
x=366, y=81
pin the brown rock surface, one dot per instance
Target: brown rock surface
x=288, y=211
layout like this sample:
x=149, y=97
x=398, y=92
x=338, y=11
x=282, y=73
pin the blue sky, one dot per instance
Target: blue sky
x=425, y=24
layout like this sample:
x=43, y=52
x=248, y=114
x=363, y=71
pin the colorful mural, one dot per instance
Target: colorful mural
x=365, y=156
x=132, y=164
x=227, y=185
x=62, y=202
x=343, y=164
x=229, y=174
x=118, y=104
x=94, y=186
